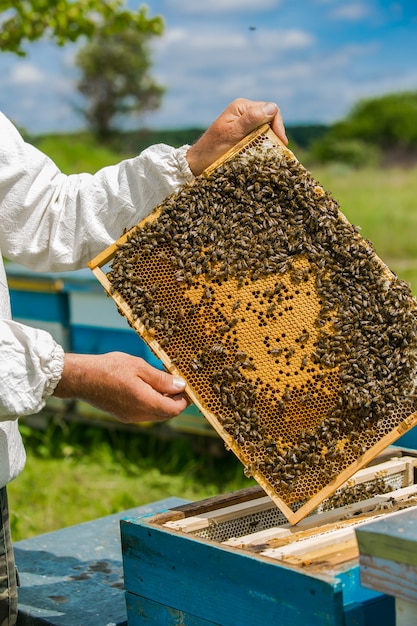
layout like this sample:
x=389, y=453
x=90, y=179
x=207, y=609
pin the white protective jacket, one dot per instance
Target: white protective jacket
x=53, y=222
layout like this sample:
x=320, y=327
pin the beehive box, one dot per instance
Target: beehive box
x=298, y=344
x=234, y=559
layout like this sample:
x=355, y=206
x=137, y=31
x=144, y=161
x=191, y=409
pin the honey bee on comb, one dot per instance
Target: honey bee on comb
x=298, y=344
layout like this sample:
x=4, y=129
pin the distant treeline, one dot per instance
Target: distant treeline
x=301, y=136
x=377, y=131
x=380, y=130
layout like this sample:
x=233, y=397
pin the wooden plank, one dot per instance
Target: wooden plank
x=333, y=555
x=142, y=610
x=194, y=523
x=405, y=612
x=388, y=555
x=380, y=502
x=389, y=577
x=187, y=574
x=404, y=465
x=323, y=522
x=390, y=461
x=393, y=538
x=311, y=544
x=200, y=520
x=222, y=500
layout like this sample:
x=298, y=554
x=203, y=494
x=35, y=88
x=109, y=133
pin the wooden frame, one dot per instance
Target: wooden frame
x=310, y=502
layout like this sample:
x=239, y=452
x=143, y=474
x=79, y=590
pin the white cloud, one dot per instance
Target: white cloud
x=283, y=40
x=194, y=7
x=208, y=55
x=180, y=50
x=352, y=11
x=26, y=73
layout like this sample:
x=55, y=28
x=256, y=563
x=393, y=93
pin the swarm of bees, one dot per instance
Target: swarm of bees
x=296, y=341
x=357, y=492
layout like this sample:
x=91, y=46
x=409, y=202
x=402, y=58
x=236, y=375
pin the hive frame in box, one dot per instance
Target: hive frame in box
x=260, y=142
x=270, y=571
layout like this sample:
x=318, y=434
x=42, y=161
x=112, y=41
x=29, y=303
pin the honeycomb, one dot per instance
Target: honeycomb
x=297, y=343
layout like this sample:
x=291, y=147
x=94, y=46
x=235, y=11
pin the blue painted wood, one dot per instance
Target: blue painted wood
x=377, y=611
x=353, y=591
x=74, y=576
x=80, y=306
x=51, y=307
x=408, y=440
x=143, y=611
x=223, y=585
x=96, y=340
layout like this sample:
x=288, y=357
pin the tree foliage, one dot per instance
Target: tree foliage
x=386, y=125
x=62, y=21
x=115, y=77
x=388, y=121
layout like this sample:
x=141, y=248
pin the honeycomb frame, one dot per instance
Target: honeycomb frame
x=298, y=344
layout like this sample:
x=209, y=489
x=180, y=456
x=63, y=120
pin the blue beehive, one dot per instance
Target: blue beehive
x=232, y=560
x=74, y=309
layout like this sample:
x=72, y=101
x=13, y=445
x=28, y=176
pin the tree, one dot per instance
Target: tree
x=384, y=125
x=115, y=77
x=387, y=122
x=62, y=21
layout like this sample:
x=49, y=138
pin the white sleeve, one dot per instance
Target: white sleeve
x=51, y=221
x=31, y=365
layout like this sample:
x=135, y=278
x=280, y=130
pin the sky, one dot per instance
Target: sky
x=315, y=58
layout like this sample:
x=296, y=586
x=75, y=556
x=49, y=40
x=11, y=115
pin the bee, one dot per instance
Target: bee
x=218, y=348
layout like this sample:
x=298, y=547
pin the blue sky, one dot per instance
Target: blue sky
x=315, y=58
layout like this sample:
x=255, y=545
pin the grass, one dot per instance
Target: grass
x=383, y=202
x=78, y=472
x=78, y=153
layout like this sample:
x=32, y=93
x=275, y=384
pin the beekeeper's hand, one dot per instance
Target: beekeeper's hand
x=237, y=120
x=123, y=385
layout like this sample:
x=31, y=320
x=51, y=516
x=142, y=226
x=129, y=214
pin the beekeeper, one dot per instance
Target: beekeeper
x=53, y=222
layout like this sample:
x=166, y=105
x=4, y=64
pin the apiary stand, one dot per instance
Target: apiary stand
x=187, y=564
x=74, y=576
x=388, y=561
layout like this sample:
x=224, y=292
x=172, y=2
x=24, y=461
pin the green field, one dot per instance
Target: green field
x=77, y=472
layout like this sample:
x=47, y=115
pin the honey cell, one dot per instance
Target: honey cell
x=296, y=341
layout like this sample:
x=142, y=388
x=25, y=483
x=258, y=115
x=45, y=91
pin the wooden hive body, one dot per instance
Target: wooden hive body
x=234, y=559
x=297, y=343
